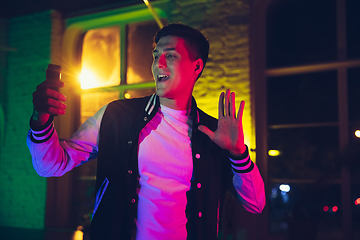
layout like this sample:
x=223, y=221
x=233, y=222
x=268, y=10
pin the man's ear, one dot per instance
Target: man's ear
x=199, y=65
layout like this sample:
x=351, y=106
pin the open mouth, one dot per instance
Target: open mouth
x=162, y=78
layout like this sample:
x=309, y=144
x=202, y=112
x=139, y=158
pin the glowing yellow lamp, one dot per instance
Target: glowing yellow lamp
x=274, y=153
x=357, y=133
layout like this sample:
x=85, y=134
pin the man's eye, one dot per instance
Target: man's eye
x=156, y=57
x=169, y=56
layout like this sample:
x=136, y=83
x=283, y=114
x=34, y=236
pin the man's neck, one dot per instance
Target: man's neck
x=176, y=104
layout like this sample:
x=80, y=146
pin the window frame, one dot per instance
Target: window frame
x=259, y=74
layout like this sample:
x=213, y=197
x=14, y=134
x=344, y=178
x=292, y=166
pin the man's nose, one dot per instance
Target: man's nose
x=162, y=61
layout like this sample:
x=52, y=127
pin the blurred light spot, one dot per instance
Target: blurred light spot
x=357, y=201
x=284, y=188
x=335, y=208
x=326, y=208
x=274, y=193
x=78, y=235
x=127, y=95
x=88, y=79
x=357, y=133
x=274, y=153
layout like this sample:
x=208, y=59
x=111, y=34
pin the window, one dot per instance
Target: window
x=306, y=76
x=114, y=70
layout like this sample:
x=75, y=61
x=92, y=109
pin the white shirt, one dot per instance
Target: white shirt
x=165, y=167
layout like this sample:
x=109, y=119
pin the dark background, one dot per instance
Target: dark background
x=13, y=8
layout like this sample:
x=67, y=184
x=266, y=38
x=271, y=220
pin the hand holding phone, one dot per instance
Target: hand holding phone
x=47, y=99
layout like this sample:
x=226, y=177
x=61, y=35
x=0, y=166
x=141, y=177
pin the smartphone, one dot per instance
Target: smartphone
x=53, y=73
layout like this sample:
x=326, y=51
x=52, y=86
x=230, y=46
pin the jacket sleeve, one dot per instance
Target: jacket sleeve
x=248, y=183
x=52, y=157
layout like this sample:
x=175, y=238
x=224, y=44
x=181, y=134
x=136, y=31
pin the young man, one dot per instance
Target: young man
x=164, y=165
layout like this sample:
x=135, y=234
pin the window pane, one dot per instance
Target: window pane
x=307, y=211
x=305, y=153
x=354, y=104
x=101, y=58
x=92, y=102
x=309, y=164
x=301, y=32
x=354, y=94
x=353, y=26
x=306, y=98
x=139, y=51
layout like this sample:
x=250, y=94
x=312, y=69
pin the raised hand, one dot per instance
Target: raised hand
x=48, y=101
x=229, y=134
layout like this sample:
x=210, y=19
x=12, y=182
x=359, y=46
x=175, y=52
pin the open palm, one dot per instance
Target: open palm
x=229, y=134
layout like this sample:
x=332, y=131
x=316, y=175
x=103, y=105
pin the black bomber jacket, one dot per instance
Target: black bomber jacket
x=117, y=181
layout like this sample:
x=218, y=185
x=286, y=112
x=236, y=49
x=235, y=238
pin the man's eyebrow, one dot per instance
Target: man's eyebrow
x=165, y=49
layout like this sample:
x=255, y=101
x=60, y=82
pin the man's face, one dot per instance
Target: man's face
x=174, y=72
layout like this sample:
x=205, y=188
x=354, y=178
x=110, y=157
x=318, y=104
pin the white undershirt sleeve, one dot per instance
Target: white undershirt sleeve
x=248, y=184
x=52, y=157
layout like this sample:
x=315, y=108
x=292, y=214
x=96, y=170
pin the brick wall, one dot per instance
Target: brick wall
x=22, y=191
x=3, y=93
x=225, y=24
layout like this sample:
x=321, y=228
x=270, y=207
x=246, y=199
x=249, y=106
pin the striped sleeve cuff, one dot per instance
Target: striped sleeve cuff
x=242, y=164
x=43, y=133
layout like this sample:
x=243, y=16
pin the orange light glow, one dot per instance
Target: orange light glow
x=88, y=79
x=357, y=201
x=78, y=235
x=335, y=208
x=100, y=60
x=326, y=208
x=127, y=95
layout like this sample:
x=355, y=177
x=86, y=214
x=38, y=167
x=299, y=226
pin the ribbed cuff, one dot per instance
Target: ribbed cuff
x=244, y=155
x=40, y=134
x=40, y=128
x=243, y=163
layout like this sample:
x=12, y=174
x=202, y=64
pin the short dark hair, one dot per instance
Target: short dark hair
x=198, y=45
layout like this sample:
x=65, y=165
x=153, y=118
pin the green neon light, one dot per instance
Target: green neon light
x=119, y=87
x=121, y=16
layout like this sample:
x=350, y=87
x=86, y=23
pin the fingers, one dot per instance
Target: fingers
x=207, y=131
x=50, y=84
x=49, y=105
x=232, y=105
x=227, y=105
x=48, y=93
x=227, y=108
x=47, y=100
x=241, y=110
x=221, y=105
x=224, y=109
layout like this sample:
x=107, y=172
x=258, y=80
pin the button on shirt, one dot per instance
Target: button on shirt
x=165, y=167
